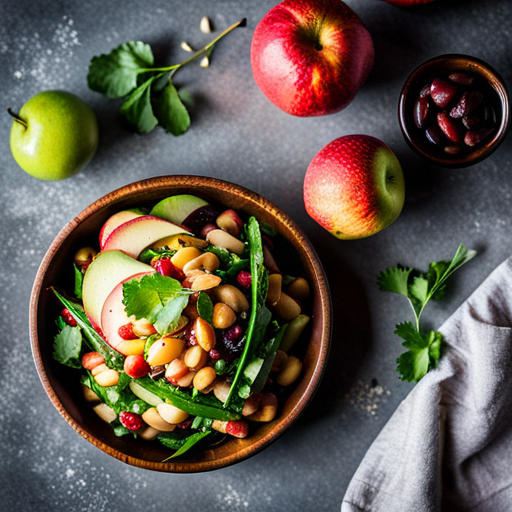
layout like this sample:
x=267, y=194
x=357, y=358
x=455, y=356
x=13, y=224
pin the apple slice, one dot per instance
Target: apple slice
x=113, y=316
x=134, y=236
x=185, y=210
x=106, y=271
x=115, y=221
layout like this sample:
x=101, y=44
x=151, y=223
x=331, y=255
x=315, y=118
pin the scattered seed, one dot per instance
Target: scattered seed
x=205, y=25
x=205, y=62
x=185, y=46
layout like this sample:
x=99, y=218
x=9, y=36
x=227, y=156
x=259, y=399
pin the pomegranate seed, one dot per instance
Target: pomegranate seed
x=136, y=367
x=68, y=317
x=131, y=420
x=449, y=127
x=421, y=109
x=244, y=279
x=214, y=354
x=476, y=136
x=462, y=78
x=434, y=134
x=425, y=91
x=126, y=332
x=166, y=267
x=442, y=92
x=467, y=103
x=470, y=121
x=237, y=428
x=185, y=424
x=233, y=333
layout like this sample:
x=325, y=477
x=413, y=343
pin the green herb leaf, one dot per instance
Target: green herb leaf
x=159, y=299
x=137, y=109
x=115, y=74
x=394, y=279
x=171, y=112
x=67, y=346
x=113, y=359
x=260, y=315
x=79, y=279
x=205, y=307
x=423, y=353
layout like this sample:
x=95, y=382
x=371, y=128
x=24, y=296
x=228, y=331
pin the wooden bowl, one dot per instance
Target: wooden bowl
x=62, y=384
x=439, y=67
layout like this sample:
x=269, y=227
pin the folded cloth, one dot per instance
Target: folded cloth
x=448, y=446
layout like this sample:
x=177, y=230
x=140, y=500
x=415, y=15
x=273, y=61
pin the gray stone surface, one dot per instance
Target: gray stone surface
x=237, y=135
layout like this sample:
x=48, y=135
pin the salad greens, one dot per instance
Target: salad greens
x=243, y=362
x=424, y=350
x=260, y=315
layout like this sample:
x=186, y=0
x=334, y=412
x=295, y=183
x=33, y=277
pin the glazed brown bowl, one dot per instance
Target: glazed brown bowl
x=440, y=67
x=62, y=383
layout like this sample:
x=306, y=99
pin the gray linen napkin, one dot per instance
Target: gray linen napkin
x=448, y=446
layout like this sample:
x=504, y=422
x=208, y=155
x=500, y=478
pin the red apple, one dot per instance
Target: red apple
x=354, y=187
x=310, y=57
x=408, y=3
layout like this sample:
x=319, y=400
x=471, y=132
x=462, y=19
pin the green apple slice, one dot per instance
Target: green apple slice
x=115, y=221
x=106, y=271
x=177, y=208
x=144, y=394
x=113, y=316
x=134, y=236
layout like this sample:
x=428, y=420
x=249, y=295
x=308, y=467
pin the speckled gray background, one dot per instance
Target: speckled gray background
x=237, y=135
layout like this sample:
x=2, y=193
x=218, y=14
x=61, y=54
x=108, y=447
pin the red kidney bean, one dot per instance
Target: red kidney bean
x=442, y=92
x=470, y=121
x=467, y=103
x=421, y=109
x=462, y=78
x=477, y=135
x=449, y=127
x=434, y=134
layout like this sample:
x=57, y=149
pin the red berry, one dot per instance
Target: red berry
x=126, y=332
x=244, y=279
x=214, y=354
x=131, y=420
x=135, y=366
x=166, y=267
x=237, y=428
x=68, y=317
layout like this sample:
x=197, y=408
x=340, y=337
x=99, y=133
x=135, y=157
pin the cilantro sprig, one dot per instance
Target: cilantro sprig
x=424, y=350
x=150, y=96
x=157, y=298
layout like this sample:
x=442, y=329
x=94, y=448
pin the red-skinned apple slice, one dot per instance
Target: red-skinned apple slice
x=134, y=236
x=106, y=271
x=115, y=221
x=113, y=316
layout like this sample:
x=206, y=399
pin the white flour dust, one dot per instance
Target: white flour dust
x=366, y=396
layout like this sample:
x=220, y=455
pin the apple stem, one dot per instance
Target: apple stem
x=17, y=118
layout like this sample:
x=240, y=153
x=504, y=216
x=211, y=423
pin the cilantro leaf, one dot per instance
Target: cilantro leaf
x=157, y=298
x=67, y=346
x=424, y=350
x=171, y=112
x=423, y=353
x=137, y=109
x=115, y=74
x=394, y=279
x=205, y=307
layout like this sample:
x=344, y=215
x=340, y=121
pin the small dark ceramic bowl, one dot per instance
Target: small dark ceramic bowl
x=62, y=384
x=441, y=67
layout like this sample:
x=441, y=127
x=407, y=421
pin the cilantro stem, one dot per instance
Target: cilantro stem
x=200, y=52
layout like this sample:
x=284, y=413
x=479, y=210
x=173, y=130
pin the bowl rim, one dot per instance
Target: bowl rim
x=498, y=84
x=187, y=181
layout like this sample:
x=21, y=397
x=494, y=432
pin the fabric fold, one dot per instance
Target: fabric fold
x=448, y=446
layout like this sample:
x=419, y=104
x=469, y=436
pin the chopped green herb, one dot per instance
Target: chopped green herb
x=67, y=346
x=424, y=350
x=205, y=307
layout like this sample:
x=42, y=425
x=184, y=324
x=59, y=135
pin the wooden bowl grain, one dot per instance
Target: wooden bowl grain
x=61, y=384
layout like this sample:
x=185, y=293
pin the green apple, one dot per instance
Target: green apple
x=54, y=135
x=354, y=187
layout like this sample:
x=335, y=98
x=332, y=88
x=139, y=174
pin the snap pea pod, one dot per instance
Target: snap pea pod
x=195, y=406
x=260, y=315
x=113, y=359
